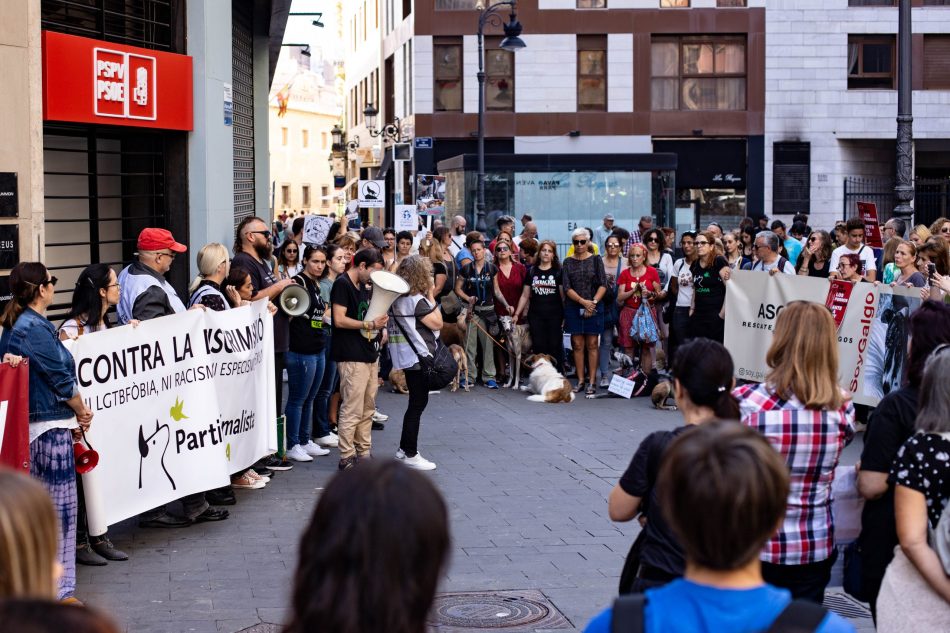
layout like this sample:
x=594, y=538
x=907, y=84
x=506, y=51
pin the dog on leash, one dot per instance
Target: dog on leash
x=518, y=342
x=545, y=382
x=459, y=355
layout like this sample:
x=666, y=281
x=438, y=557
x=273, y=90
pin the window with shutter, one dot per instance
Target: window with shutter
x=791, y=178
x=936, y=62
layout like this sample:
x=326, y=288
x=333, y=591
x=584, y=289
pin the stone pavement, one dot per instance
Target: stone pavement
x=526, y=485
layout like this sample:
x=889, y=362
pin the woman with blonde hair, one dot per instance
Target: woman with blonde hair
x=432, y=250
x=29, y=533
x=414, y=326
x=214, y=264
x=919, y=235
x=808, y=418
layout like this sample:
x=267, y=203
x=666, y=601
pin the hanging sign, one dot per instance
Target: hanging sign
x=92, y=81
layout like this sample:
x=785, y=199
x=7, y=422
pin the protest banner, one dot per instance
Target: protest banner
x=315, y=230
x=15, y=416
x=430, y=194
x=179, y=404
x=872, y=323
x=407, y=217
x=867, y=211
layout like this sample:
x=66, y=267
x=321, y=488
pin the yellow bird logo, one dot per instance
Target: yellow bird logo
x=177, y=412
x=227, y=451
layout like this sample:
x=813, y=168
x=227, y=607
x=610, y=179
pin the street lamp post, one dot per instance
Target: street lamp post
x=513, y=43
x=904, y=190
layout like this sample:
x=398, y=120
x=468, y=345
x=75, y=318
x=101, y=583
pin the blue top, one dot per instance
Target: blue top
x=463, y=254
x=794, y=248
x=52, y=369
x=686, y=606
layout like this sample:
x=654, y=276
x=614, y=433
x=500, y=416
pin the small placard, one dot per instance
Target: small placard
x=372, y=194
x=407, y=217
x=621, y=386
x=9, y=199
x=315, y=229
x=9, y=245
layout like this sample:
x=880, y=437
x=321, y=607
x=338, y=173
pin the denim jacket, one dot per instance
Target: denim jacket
x=52, y=369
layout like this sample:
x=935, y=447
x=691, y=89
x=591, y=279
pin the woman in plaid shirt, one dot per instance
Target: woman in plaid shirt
x=808, y=418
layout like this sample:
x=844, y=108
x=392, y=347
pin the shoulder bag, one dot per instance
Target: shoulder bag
x=440, y=368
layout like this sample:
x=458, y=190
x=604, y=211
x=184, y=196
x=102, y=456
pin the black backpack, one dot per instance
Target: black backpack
x=800, y=616
x=440, y=369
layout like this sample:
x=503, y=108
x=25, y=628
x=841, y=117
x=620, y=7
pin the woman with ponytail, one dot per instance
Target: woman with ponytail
x=214, y=263
x=57, y=409
x=808, y=418
x=702, y=382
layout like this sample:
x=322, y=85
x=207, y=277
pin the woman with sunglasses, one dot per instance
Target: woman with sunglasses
x=941, y=226
x=288, y=260
x=813, y=260
x=614, y=264
x=57, y=410
x=710, y=272
x=585, y=283
x=509, y=281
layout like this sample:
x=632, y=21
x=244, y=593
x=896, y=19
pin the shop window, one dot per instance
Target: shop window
x=447, y=56
x=305, y=138
x=698, y=73
x=591, y=4
x=305, y=196
x=285, y=195
x=936, y=62
x=672, y=4
x=871, y=62
x=791, y=178
x=592, y=72
x=499, y=77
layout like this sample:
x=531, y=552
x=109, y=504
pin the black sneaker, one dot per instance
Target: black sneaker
x=212, y=514
x=264, y=472
x=347, y=462
x=221, y=497
x=378, y=426
x=276, y=463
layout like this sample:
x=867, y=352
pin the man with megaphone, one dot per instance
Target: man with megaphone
x=356, y=343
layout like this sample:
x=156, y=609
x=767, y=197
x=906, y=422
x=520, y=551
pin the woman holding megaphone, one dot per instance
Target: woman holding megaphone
x=306, y=358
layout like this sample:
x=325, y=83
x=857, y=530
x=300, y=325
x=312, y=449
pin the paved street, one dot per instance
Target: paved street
x=526, y=485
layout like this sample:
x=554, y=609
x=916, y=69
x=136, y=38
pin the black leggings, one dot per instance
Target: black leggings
x=418, y=399
x=547, y=337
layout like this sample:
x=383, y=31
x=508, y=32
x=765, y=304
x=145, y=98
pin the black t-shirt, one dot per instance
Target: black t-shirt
x=822, y=272
x=438, y=268
x=661, y=548
x=479, y=283
x=352, y=345
x=890, y=425
x=262, y=277
x=307, y=333
x=709, y=290
x=545, y=292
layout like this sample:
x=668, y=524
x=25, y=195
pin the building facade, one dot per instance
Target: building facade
x=632, y=78
x=115, y=121
x=831, y=106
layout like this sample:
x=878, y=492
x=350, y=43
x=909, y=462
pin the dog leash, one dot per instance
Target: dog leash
x=487, y=333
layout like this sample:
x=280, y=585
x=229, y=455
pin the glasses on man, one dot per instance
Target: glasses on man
x=759, y=245
x=264, y=233
x=579, y=242
x=169, y=255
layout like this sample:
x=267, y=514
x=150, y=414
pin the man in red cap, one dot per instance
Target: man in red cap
x=144, y=291
x=146, y=294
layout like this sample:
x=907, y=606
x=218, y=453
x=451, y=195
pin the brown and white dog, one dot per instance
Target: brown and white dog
x=518, y=342
x=397, y=379
x=459, y=355
x=545, y=382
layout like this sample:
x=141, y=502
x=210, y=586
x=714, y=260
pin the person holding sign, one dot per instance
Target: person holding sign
x=56, y=406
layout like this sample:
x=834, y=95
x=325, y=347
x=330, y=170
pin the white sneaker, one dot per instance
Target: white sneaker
x=379, y=417
x=331, y=440
x=417, y=461
x=313, y=450
x=298, y=454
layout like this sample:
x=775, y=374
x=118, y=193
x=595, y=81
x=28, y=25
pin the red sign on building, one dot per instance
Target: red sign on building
x=91, y=81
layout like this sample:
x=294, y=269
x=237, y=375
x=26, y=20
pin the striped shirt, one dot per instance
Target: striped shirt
x=811, y=442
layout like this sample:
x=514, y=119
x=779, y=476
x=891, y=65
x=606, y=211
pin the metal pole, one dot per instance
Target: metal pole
x=904, y=191
x=480, y=199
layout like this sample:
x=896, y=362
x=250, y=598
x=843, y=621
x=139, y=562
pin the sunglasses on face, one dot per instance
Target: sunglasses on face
x=502, y=248
x=945, y=229
x=579, y=242
x=264, y=233
x=613, y=245
x=813, y=239
x=291, y=250
x=52, y=281
x=652, y=240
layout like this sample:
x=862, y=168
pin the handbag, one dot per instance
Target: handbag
x=643, y=328
x=440, y=368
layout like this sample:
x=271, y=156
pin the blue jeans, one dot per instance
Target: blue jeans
x=304, y=373
x=321, y=406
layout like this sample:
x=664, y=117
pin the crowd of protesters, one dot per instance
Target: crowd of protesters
x=740, y=564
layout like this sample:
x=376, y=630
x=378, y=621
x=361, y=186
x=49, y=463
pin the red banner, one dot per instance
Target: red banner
x=15, y=416
x=837, y=300
x=867, y=211
x=91, y=81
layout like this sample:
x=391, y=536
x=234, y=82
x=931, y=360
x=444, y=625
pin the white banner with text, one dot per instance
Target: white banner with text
x=872, y=321
x=180, y=403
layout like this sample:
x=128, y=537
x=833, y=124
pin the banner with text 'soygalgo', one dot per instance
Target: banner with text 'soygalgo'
x=180, y=403
x=873, y=327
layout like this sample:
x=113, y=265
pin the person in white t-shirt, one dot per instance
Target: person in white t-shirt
x=766, y=249
x=459, y=225
x=855, y=245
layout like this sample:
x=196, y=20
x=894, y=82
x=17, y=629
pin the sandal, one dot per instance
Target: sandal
x=591, y=389
x=579, y=388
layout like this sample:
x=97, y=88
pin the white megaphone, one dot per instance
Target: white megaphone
x=387, y=287
x=294, y=300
